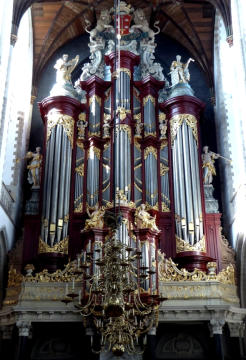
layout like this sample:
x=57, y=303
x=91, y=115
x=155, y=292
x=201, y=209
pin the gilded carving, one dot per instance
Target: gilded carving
x=148, y=150
x=164, y=143
x=96, y=218
x=66, y=121
x=116, y=73
x=96, y=151
x=122, y=112
x=82, y=116
x=80, y=145
x=79, y=208
x=94, y=98
x=14, y=278
x=60, y=247
x=147, y=98
x=177, y=120
x=126, y=128
x=67, y=275
x=152, y=207
x=163, y=169
x=137, y=145
x=168, y=271
x=182, y=245
x=144, y=220
x=80, y=170
x=164, y=207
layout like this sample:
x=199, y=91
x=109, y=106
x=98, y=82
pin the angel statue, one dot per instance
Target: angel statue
x=143, y=220
x=179, y=71
x=34, y=167
x=64, y=68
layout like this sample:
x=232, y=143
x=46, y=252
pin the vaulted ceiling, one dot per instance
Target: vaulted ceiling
x=190, y=22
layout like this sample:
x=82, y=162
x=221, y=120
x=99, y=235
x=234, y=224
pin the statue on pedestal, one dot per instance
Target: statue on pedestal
x=209, y=171
x=63, y=85
x=179, y=71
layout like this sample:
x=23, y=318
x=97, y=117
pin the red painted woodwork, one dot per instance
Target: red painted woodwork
x=95, y=86
x=192, y=260
x=167, y=238
x=127, y=60
x=31, y=238
x=213, y=234
x=149, y=86
x=63, y=104
x=182, y=105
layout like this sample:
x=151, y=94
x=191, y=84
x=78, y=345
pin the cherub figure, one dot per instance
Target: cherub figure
x=81, y=125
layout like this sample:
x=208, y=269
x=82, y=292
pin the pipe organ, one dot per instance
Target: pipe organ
x=117, y=141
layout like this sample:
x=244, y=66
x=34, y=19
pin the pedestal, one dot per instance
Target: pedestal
x=211, y=204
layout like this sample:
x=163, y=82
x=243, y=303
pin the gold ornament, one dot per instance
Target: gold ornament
x=150, y=150
x=182, y=245
x=177, y=120
x=147, y=98
x=66, y=121
x=60, y=247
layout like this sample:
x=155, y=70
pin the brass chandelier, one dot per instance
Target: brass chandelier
x=115, y=274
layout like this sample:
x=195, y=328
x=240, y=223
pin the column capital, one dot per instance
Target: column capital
x=236, y=329
x=216, y=326
x=24, y=328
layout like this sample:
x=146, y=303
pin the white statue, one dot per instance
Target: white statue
x=142, y=24
x=64, y=68
x=209, y=171
x=102, y=24
x=148, y=66
x=63, y=85
x=95, y=66
x=179, y=71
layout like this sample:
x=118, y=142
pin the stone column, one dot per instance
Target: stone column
x=24, y=329
x=237, y=330
x=216, y=330
x=149, y=353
